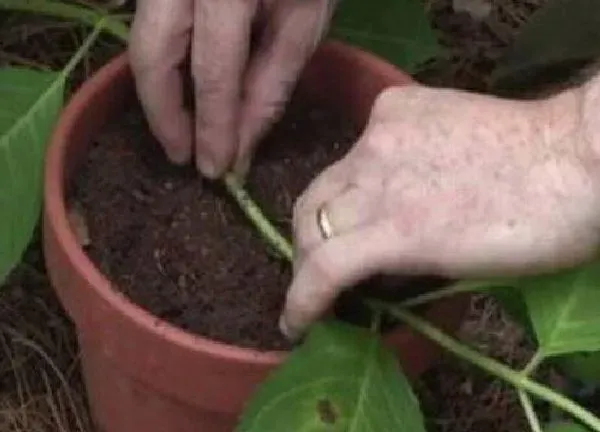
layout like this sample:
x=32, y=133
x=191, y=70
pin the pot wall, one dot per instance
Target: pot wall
x=141, y=372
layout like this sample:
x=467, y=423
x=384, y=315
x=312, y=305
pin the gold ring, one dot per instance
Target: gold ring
x=324, y=223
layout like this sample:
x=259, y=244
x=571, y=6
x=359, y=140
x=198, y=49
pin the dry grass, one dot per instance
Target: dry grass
x=41, y=389
x=40, y=384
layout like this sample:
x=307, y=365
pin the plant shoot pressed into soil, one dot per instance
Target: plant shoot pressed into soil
x=180, y=246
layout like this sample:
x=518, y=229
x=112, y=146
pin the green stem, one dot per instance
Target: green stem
x=491, y=366
x=460, y=287
x=532, y=417
x=84, y=48
x=256, y=216
x=534, y=363
x=67, y=11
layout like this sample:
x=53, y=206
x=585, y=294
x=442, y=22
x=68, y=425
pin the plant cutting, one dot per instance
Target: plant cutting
x=167, y=374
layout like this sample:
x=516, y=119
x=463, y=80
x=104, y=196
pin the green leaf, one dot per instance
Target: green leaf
x=565, y=427
x=562, y=35
x=584, y=367
x=30, y=102
x=397, y=30
x=341, y=379
x=563, y=308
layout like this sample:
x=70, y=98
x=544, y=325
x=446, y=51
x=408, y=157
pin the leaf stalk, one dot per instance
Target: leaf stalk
x=491, y=366
x=532, y=417
x=269, y=233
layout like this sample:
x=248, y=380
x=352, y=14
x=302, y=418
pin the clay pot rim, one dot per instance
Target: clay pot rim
x=57, y=220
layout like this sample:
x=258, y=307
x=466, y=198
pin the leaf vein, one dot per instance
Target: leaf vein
x=293, y=391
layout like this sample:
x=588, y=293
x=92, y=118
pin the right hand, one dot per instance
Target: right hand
x=454, y=184
x=237, y=95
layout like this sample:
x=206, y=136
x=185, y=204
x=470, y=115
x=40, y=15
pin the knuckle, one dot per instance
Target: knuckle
x=210, y=88
x=396, y=99
x=382, y=144
x=211, y=79
x=155, y=34
x=385, y=101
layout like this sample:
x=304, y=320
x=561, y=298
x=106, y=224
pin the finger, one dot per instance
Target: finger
x=336, y=265
x=158, y=45
x=221, y=44
x=351, y=209
x=329, y=184
x=293, y=32
x=351, y=178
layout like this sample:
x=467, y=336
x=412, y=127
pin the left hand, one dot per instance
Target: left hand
x=454, y=184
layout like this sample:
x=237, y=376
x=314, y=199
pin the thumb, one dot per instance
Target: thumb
x=336, y=265
x=293, y=31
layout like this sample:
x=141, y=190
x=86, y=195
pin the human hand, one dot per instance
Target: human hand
x=448, y=183
x=238, y=93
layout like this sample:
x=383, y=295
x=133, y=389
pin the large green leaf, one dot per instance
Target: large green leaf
x=341, y=379
x=30, y=102
x=397, y=30
x=562, y=36
x=563, y=308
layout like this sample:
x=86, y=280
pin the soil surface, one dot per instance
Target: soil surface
x=180, y=247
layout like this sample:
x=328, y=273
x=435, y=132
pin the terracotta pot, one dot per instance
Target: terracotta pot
x=143, y=374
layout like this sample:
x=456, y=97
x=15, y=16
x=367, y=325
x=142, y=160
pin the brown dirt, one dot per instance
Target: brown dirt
x=41, y=389
x=473, y=47
x=460, y=398
x=179, y=245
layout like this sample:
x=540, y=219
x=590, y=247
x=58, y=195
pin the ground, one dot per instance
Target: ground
x=40, y=383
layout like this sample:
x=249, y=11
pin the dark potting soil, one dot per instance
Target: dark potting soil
x=179, y=246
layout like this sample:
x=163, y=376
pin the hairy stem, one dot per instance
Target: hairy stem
x=491, y=366
x=271, y=235
x=62, y=10
x=532, y=417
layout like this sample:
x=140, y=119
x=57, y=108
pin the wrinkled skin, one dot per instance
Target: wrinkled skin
x=441, y=181
x=455, y=184
x=238, y=93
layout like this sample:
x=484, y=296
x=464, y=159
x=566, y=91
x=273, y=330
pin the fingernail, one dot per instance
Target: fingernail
x=178, y=152
x=179, y=157
x=286, y=330
x=207, y=166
